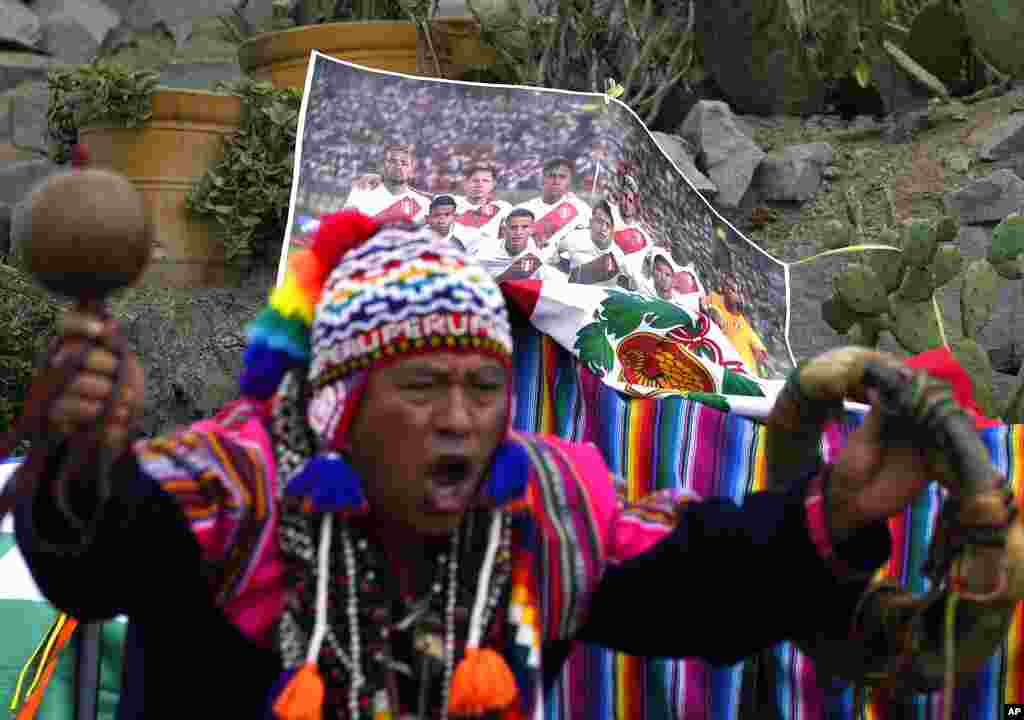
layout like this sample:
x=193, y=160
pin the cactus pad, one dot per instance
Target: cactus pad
x=838, y=314
x=938, y=39
x=836, y=234
x=888, y=266
x=862, y=290
x=915, y=325
x=1006, y=253
x=947, y=263
x=947, y=230
x=865, y=332
x=918, y=284
x=978, y=296
x=975, y=362
x=919, y=243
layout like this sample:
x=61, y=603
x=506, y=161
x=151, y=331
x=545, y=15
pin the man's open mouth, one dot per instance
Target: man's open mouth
x=450, y=485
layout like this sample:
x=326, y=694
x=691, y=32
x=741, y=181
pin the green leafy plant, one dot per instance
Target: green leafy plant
x=247, y=191
x=28, y=317
x=97, y=93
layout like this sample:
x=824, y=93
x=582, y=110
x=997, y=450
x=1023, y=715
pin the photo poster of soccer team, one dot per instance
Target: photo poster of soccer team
x=557, y=186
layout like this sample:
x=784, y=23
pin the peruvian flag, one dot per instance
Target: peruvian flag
x=639, y=344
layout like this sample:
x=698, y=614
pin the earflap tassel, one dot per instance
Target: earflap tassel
x=303, y=696
x=483, y=682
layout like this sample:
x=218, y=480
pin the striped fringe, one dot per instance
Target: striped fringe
x=674, y=443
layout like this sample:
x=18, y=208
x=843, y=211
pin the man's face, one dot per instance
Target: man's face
x=479, y=186
x=629, y=204
x=517, y=234
x=445, y=414
x=663, y=277
x=732, y=294
x=398, y=167
x=601, y=229
x=441, y=220
x=556, y=183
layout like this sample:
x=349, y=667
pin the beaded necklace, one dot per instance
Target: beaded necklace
x=357, y=630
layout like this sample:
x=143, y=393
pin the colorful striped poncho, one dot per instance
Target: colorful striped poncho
x=655, y=444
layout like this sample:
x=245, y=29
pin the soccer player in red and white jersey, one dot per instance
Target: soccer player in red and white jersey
x=478, y=214
x=389, y=197
x=631, y=234
x=557, y=211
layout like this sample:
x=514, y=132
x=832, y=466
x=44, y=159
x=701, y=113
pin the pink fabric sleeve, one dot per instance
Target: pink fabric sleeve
x=222, y=473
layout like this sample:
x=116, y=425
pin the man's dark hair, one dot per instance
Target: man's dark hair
x=661, y=258
x=520, y=212
x=558, y=162
x=442, y=201
x=605, y=207
x=482, y=167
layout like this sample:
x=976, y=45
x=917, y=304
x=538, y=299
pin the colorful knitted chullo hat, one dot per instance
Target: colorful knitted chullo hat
x=359, y=297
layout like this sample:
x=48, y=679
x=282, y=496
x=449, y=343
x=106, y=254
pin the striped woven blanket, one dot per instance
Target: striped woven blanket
x=673, y=442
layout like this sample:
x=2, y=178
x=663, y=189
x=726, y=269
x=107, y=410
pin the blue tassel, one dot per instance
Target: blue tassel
x=510, y=472
x=331, y=483
x=263, y=371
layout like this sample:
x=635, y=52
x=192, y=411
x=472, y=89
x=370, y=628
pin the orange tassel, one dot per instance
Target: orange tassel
x=482, y=683
x=303, y=697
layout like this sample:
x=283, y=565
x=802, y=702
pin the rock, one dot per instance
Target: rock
x=728, y=157
x=957, y=162
x=1004, y=140
x=28, y=119
x=19, y=67
x=863, y=122
x=69, y=39
x=19, y=25
x=16, y=179
x=144, y=14
x=258, y=11
x=760, y=59
x=672, y=146
x=989, y=199
x=795, y=173
x=181, y=33
x=200, y=75
x=73, y=30
x=904, y=126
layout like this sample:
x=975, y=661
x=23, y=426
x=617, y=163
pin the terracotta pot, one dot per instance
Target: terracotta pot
x=282, y=57
x=164, y=158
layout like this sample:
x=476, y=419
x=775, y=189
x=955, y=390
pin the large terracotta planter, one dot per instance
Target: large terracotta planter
x=282, y=57
x=164, y=158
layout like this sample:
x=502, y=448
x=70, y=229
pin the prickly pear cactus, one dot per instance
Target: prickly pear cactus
x=978, y=296
x=947, y=264
x=862, y=290
x=919, y=243
x=1006, y=253
x=975, y=362
x=888, y=266
x=838, y=314
x=946, y=230
x=836, y=234
x=918, y=284
x=938, y=40
x=914, y=324
x=866, y=331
